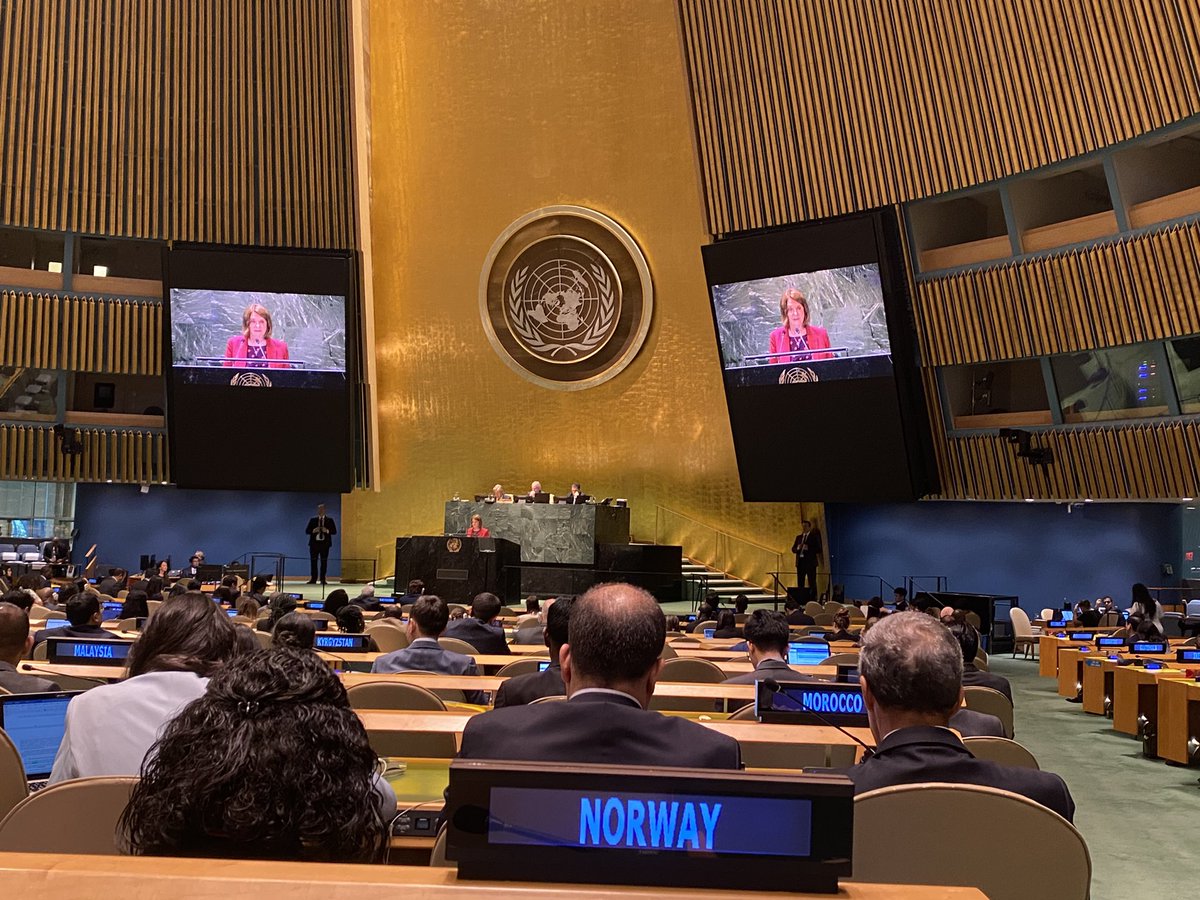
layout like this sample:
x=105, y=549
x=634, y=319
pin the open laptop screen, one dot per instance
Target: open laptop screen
x=35, y=723
x=807, y=653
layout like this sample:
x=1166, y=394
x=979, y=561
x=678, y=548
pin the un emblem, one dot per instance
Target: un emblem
x=250, y=379
x=797, y=375
x=565, y=297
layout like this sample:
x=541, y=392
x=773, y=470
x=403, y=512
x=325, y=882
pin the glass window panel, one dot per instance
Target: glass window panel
x=119, y=258
x=997, y=394
x=1115, y=383
x=28, y=393
x=1184, y=354
x=23, y=249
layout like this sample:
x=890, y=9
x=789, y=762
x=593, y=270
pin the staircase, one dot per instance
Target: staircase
x=699, y=578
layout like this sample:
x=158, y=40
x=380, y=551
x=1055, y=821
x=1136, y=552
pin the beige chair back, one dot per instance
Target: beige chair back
x=387, y=638
x=454, y=645
x=318, y=614
x=746, y=713
x=832, y=607
x=973, y=620
x=689, y=669
x=522, y=666
x=990, y=701
x=127, y=625
x=40, y=652
x=78, y=816
x=152, y=605
x=813, y=608
x=668, y=652
x=393, y=695
x=1054, y=859
x=981, y=661
x=550, y=699
x=527, y=619
x=856, y=614
x=823, y=619
x=13, y=786
x=438, y=856
x=122, y=594
x=508, y=612
x=698, y=631
x=1046, y=614
x=453, y=606
x=41, y=614
x=1001, y=750
x=264, y=639
x=1022, y=631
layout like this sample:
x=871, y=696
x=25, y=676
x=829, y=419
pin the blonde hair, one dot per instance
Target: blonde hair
x=792, y=294
x=251, y=310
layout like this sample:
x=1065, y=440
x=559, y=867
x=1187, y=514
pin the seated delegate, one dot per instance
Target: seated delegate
x=522, y=689
x=767, y=644
x=480, y=629
x=609, y=667
x=426, y=621
x=911, y=674
x=110, y=728
x=244, y=771
x=15, y=642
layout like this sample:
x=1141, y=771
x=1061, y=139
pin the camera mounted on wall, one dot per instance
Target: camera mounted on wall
x=68, y=440
x=1037, y=456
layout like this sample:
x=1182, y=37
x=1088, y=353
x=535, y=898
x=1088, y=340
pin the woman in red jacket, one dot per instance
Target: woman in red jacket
x=795, y=333
x=254, y=348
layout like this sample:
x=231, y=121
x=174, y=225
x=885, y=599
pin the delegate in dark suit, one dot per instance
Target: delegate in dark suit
x=769, y=668
x=69, y=631
x=522, y=689
x=320, y=530
x=484, y=637
x=596, y=726
x=425, y=654
x=972, y=723
x=808, y=550
x=922, y=754
x=16, y=683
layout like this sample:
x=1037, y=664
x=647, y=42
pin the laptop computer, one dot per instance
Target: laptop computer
x=35, y=723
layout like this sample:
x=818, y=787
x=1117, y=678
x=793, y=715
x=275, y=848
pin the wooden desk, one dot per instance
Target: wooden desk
x=57, y=876
x=1135, y=695
x=1099, y=678
x=1178, y=718
x=48, y=670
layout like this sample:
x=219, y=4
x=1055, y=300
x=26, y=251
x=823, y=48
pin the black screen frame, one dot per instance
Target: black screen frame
x=869, y=438
x=325, y=461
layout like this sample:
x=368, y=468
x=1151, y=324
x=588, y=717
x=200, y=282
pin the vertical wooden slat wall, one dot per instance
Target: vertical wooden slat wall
x=33, y=452
x=189, y=119
x=812, y=109
x=80, y=333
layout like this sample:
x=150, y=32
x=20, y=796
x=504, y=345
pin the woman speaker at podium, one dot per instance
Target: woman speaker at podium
x=477, y=529
x=795, y=333
x=254, y=348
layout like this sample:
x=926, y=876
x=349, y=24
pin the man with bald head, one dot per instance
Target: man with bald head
x=609, y=666
x=15, y=642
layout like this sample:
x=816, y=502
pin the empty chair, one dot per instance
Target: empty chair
x=1172, y=626
x=152, y=605
x=823, y=619
x=974, y=621
x=689, y=669
x=832, y=607
x=392, y=695
x=438, y=856
x=130, y=625
x=318, y=615
x=745, y=713
x=527, y=619
x=1047, y=614
x=264, y=639
x=668, y=652
x=813, y=608
x=700, y=626
x=387, y=638
x=454, y=645
x=13, y=786
x=508, y=612
x=1022, y=631
x=1024, y=850
x=78, y=816
x=1001, y=750
x=521, y=666
x=992, y=702
x=856, y=614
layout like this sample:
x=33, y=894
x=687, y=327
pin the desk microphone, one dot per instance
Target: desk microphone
x=25, y=667
x=775, y=687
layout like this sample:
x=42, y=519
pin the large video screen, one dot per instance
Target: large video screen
x=259, y=352
x=818, y=354
x=806, y=318
x=303, y=335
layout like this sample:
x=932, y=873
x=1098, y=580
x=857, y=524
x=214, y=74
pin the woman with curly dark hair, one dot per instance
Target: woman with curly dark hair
x=312, y=793
x=110, y=728
x=295, y=630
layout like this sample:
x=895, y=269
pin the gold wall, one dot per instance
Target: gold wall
x=480, y=111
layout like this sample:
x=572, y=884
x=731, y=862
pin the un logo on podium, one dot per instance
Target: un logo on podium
x=566, y=297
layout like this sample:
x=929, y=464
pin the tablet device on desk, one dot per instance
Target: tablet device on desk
x=1067, y=615
x=543, y=665
x=86, y=652
x=807, y=653
x=709, y=632
x=641, y=825
x=231, y=613
x=35, y=723
x=110, y=611
x=343, y=643
x=56, y=623
x=823, y=635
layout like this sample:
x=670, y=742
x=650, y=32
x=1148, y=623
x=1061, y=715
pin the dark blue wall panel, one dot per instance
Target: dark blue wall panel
x=1038, y=551
x=167, y=521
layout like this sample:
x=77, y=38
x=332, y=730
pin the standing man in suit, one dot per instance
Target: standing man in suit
x=808, y=550
x=522, y=689
x=15, y=644
x=480, y=629
x=766, y=643
x=912, y=683
x=610, y=664
x=321, y=529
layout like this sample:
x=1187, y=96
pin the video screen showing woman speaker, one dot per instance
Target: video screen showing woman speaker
x=830, y=322
x=298, y=340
